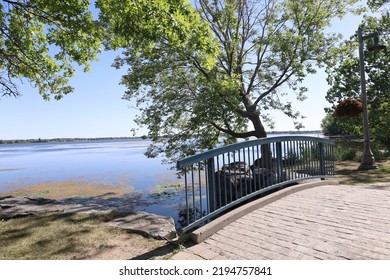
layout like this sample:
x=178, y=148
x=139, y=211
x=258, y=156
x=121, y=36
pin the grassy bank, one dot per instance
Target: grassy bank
x=74, y=236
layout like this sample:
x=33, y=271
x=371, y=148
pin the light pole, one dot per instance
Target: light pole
x=367, y=159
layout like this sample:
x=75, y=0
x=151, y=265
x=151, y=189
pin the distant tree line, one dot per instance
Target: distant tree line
x=143, y=137
x=39, y=140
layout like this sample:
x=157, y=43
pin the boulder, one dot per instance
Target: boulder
x=261, y=163
x=12, y=207
x=263, y=178
x=160, y=227
x=156, y=226
x=233, y=181
x=236, y=168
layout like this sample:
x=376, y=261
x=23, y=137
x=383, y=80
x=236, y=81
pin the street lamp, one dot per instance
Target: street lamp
x=367, y=159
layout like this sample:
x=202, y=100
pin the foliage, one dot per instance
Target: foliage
x=381, y=116
x=344, y=80
x=198, y=87
x=342, y=125
x=347, y=150
x=40, y=41
x=350, y=150
x=143, y=25
x=380, y=152
x=309, y=152
x=346, y=154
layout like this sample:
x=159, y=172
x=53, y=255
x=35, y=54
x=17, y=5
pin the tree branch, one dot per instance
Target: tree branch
x=233, y=133
x=276, y=85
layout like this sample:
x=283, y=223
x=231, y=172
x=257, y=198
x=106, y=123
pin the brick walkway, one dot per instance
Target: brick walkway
x=325, y=222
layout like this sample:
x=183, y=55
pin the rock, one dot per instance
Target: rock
x=263, y=178
x=238, y=168
x=263, y=163
x=231, y=182
x=13, y=207
x=156, y=226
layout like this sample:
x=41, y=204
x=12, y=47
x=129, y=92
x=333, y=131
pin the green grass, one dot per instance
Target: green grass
x=347, y=172
x=73, y=236
x=53, y=236
x=384, y=170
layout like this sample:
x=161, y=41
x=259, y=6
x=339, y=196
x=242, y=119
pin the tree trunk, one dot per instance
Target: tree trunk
x=266, y=153
x=258, y=126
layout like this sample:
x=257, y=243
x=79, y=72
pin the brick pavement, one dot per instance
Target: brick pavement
x=327, y=222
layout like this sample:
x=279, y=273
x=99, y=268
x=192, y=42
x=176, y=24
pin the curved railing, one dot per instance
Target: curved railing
x=219, y=179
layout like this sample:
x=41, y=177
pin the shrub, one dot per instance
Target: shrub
x=347, y=150
x=346, y=154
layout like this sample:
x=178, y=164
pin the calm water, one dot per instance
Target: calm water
x=115, y=162
x=118, y=162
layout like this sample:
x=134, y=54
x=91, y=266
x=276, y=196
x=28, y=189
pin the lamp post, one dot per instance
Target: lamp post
x=367, y=159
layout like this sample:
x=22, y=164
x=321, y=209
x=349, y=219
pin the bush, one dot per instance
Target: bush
x=332, y=125
x=347, y=150
x=346, y=154
x=380, y=153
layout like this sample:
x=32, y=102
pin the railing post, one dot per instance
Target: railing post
x=211, y=185
x=322, y=159
x=279, y=160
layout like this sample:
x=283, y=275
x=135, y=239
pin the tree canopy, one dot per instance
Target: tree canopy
x=146, y=24
x=41, y=40
x=261, y=50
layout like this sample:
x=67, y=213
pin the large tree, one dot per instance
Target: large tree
x=264, y=50
x=40, y=40
x=344, y=79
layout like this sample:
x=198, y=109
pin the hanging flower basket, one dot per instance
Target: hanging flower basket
x=349, y=108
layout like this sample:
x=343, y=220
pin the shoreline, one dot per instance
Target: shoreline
x=68, y=140
x=86, y=139
x=68, y=189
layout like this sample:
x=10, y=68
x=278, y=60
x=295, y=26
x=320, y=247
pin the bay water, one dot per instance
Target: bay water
x=114, y=163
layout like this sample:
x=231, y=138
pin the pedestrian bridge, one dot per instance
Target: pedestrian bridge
x=219, y=180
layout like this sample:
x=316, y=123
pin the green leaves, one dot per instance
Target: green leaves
x=145, y=25
x=209, y=76
x=40, y=41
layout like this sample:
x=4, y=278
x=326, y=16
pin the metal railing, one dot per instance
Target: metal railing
x=219, y=179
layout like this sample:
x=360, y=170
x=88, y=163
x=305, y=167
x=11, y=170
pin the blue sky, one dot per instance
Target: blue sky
x=95, y=108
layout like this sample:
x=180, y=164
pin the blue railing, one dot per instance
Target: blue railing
x=219, y=179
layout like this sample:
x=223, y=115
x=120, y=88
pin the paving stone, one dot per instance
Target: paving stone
x=325, y=222
x=184, y=255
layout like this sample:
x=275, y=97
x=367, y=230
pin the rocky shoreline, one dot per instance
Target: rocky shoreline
x=159, y=227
